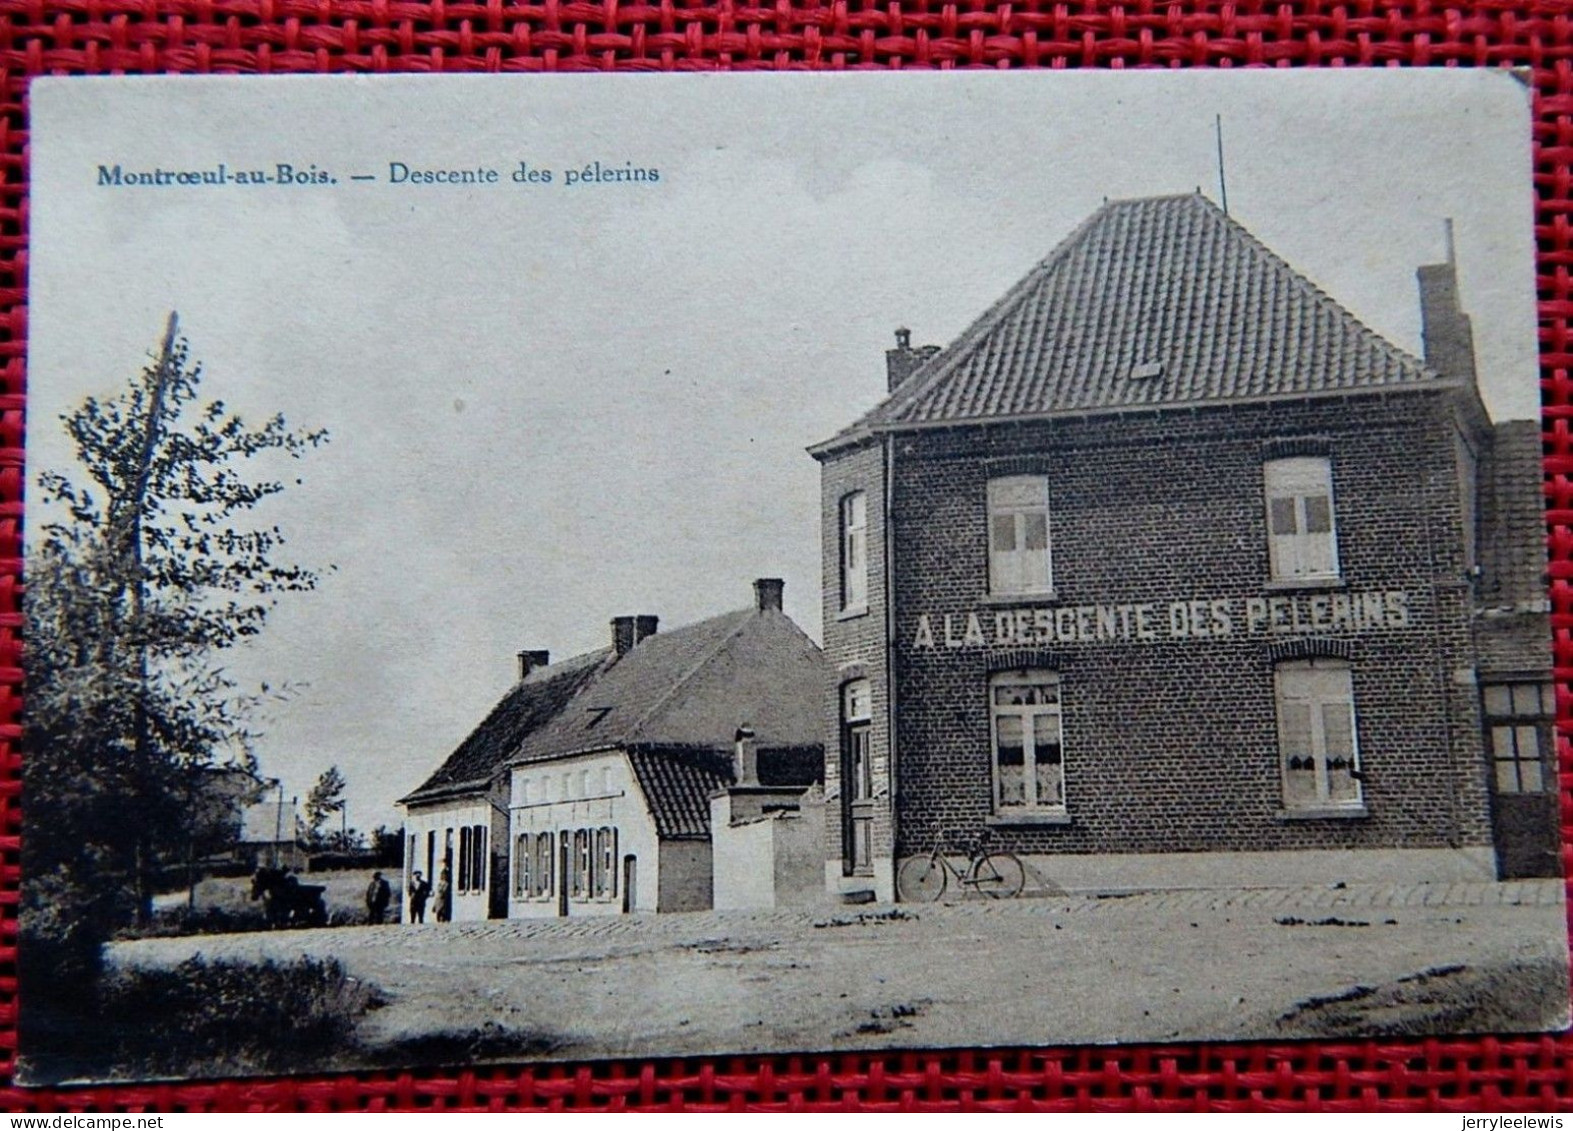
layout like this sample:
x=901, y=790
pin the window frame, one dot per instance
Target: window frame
x=1296, y=478
x=1514, y=720
x=545, y=866
x=1002, y=580
x=1319, y=670
x=1031, y=804
x=852, y=522
x=523, y=865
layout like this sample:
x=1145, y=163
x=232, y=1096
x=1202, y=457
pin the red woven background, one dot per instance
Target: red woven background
x=271, y=36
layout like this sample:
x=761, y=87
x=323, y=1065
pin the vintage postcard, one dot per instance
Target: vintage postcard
x=589, y=567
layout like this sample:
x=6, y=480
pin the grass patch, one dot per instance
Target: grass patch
x=1512, y=997
x=205, y=1018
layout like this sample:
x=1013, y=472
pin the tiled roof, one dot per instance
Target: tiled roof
x=529, y=705
x=674, y=702
x=677, y=784
x=693, y=687
x=1166, y=285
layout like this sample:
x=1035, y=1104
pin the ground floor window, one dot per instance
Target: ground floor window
x=592, y=864
x=1518, y=723
x=545, y=858
x=604, y=880
x=1316, y=735
x=581, y=863
x=1029, y=757
x=472, y=858
x=523, y=859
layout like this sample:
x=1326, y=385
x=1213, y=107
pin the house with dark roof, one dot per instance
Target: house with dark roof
x=1170, y=571
x=587, y=788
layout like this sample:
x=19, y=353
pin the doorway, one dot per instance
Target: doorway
x=1518, y=720
x=630, y=884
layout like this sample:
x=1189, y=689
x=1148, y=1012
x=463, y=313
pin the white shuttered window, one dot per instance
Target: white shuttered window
x=1302, y=541
x=1316, y=735
x=1019, y=560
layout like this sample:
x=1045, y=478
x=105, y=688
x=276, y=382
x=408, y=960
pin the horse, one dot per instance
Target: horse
x=288, y=902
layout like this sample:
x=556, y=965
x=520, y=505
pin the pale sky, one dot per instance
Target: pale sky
x=551, y=405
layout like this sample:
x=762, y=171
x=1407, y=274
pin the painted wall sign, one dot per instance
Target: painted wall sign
x=1148, y=622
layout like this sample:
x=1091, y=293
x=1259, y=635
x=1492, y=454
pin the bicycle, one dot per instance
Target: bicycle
x=923, y=879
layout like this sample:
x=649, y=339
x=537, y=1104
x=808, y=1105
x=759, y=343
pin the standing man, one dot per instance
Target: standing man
x=378, y=895
x=420, y=892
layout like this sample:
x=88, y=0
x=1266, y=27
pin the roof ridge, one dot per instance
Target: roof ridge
x=1322, y=296
x=920, y=382
x=631, y=735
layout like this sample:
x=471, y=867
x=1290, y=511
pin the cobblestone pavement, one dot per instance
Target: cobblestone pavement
x=699, y=925
x=1159, y=965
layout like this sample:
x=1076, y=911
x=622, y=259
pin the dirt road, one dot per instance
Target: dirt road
x=1073, y=969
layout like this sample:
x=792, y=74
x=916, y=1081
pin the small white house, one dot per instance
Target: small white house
x=587, y=790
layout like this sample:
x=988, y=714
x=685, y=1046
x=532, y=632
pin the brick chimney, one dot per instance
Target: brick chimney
x=903, y=361
x=767, y=593
x=629, y=631
x=745, y=758
x=1446, y=332
x=530, y=661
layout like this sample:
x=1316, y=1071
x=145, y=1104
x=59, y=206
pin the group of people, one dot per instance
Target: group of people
x=378, y=895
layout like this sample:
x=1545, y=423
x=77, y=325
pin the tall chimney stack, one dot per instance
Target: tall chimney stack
x=903, y=361
x=745, y=760
x=629, y=631
x=533, y=660
x=1445, y=329
x=767, y=593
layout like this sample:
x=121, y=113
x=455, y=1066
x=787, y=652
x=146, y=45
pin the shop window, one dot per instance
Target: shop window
x=605, y=877
x=1518, y=731
x=1316, y=735
x=1018, y=517
x=854, y=551
x=543, y=865
x=1302, y=542
x=523, y=858
x=1029, y=754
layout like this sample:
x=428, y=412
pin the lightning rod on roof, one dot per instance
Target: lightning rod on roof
x=1223, y=187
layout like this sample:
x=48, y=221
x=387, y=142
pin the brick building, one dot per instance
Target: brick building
x=1169, y=570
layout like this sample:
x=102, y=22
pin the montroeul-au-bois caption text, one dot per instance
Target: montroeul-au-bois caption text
x=524, y=174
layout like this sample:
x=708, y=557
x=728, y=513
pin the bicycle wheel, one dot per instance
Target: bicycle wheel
x=999, y=875
x=920, y=879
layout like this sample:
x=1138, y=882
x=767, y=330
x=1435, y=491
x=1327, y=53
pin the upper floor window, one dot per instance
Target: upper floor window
x=1316, y=735
x=854, y=551
x=1302, y=542
x=1019, y=535
x=1029, y=757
